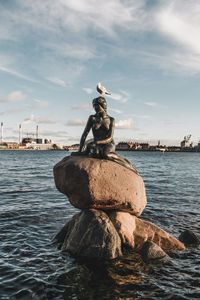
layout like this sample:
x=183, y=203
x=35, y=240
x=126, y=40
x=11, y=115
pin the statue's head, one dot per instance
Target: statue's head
x=99, y=102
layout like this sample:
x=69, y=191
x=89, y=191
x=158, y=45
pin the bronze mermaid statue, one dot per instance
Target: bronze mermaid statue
x=102, y=145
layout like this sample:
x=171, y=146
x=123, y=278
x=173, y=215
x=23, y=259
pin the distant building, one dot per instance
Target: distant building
x=28, y=140
x=46, y=141
x=3, y=146
x=173, y=148
x=73, y=147
x=9, y=145
x=49, y=146
x=38, y=144
x=124, y=146
x=38, y=141
x=144, y=146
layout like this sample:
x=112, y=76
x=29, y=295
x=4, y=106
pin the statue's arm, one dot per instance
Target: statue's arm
x=110, y=134
x=85, y=133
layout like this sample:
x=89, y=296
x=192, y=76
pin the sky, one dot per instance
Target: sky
x=145, y=52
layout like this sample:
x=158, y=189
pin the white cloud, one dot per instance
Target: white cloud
x=124, y=124
x=82, y=106
x=62, y=22
x=54, y=133
x=58, y=81
x=81, y=15
x=39, y=120
x=16, y=96
x=12, y=111
x=76, y=122
x=142, y=116
x=67, y=72
x=183, y=63
x=6, y=59
x=137, y=116
x=45, y=120
x=6, y=34
x=173, y=60
x=29, y=120
x=73, y=50
x=153, y=104
x=41, y=103
x=88, y=90
x=122, y=96
x=179, y=20
x=17, y=74
x=115, y=110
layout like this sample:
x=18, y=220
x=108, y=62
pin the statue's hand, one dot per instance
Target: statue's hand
x=93, y=145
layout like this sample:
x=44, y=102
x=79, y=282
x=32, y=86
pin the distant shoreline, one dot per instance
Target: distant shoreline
x=132, y=150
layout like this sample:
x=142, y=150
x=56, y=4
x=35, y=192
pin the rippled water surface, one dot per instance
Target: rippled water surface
x=32, y=211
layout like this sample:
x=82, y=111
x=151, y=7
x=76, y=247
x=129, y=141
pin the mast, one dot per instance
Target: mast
x=1, y=132
x=37, y=130
x=20, y=133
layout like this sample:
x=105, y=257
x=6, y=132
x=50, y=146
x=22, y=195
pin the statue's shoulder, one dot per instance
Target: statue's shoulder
x=91, y=117
x=112, y=119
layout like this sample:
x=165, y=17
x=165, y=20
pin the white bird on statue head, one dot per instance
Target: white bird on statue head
x=102, y=90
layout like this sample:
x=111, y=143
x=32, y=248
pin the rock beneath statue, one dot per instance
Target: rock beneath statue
x=189, y=237
x=100, y=184
x=146, y=230
x=125, y=225
x=152, y=253
x=134, y=232
x=90, y=234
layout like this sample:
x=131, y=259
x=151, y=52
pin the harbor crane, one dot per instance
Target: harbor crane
x=187, y=138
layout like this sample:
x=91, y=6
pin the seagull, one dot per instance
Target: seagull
x=102, y=90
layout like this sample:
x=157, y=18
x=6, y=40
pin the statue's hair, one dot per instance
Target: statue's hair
x=100, y=101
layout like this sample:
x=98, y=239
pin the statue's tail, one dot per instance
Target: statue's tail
x=121, y=161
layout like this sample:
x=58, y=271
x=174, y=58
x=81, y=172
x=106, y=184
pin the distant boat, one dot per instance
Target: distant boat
x=162, y=150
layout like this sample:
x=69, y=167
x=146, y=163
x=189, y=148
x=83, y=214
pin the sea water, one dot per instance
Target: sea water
x=32, y=211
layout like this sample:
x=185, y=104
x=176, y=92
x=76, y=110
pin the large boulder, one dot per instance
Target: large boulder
x=90, y=234
x=100, y=184
x=134, y=232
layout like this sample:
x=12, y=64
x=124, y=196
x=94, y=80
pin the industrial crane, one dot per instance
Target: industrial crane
x=187, y=138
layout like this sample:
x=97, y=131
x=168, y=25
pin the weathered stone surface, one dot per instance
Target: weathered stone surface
x=189, y=237
x=148, y=231
x=90, y=234
x=151, y=252
x=100, y=184
x=135, y=232
x=125, y=225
